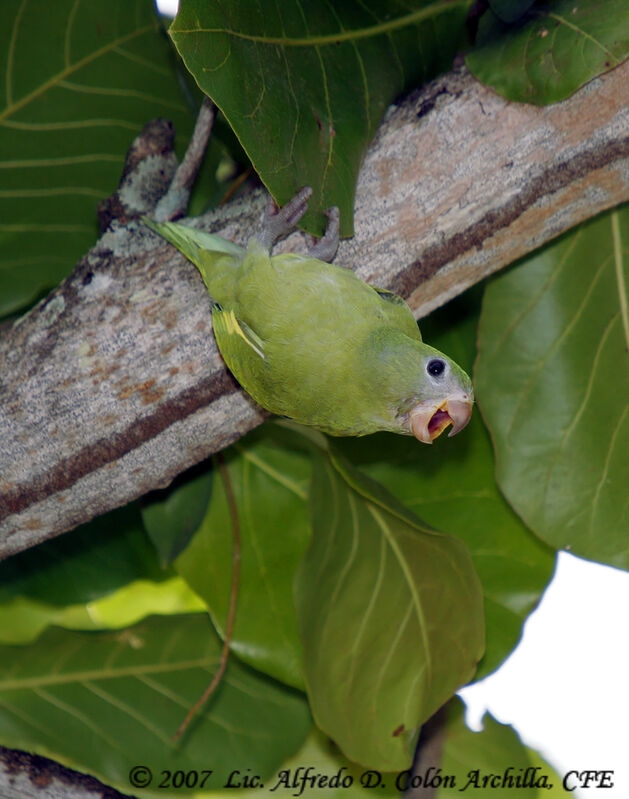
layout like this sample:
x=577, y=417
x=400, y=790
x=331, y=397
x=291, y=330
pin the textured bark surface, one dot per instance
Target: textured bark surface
x=427, y=758
x=113, y=385
x=465, y=182
x=27, y=776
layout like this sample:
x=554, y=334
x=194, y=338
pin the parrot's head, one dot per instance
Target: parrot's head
x=425, y=391
x=446, y=397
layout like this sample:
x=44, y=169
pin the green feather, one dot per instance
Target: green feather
x=191, y=241
x=311, y=341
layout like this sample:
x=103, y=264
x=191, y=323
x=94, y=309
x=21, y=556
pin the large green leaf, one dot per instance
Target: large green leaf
x=22, y=620
x=304, y=86
x=86, y=563
x=553, y=383
x=451, y=486
x=390, y=613
x=106, y=702
x=319, y=759
x=173, y=515
x=490, y=763
x=80, y=81
x=510, y=10
x=557, y=48
x=270, y=487
x=555, y=789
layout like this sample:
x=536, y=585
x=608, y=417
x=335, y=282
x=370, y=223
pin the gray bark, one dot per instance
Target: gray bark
x=113, y=384
x=27, y=776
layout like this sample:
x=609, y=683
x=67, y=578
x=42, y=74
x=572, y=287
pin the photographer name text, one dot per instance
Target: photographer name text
x=303, y=779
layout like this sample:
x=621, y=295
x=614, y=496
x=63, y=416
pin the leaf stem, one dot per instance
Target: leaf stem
x=585, y=34
x=231, y=615
x=429, y=750
x=382, y=28
x=620, y=277
x=175, y=202
x=274, y=474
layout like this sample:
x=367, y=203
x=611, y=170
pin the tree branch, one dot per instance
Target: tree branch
x=432, y=738
x=27, y=776
x=175, y=202
x=113, y=385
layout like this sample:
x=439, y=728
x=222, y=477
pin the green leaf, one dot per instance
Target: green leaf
x=390, y=613
x=172, y=516
x=139, y=599
x=451, y=486
x=120, y=697
x=22, y=620
x=81, y=80
x=305, y=87
x=555, y=789
x=326, y=759
x=269, y=482
x=84, y=564
x=319, y=758
x=510, y=10
x=552, y=381
x=557, y=48
x=495, y=754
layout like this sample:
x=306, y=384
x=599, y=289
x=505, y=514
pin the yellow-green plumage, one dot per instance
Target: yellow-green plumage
x=310, y=340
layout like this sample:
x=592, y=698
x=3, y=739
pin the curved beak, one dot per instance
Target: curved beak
x=430, y=418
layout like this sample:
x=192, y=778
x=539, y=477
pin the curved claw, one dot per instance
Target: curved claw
x=281, y=221
x=428, y=419
x=325, y=248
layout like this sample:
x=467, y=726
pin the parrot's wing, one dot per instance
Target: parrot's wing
x=191, y=241
x=230, y=331
x=398, y=313
x=389, y=296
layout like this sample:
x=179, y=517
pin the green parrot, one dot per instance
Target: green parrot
x=311, y=341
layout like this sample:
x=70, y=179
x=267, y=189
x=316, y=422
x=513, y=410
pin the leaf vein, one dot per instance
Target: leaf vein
x=11, y=53
x=107, y=91
x=292, y=485
x=144, y=62
x=601, y=482
x=54, y=191
x=620, y=276
x=128, y=710
x=333, y=38
x=368, y=610
x=416, y=601
x=531, y=382
x=584, y=34
x=63, y=161
x=208, y=662
x=81, y=717
x=579, y=412
x=55, y=79
x=68, y=35
x=70, y=125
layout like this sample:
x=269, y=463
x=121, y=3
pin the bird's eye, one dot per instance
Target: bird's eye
x=435, y=367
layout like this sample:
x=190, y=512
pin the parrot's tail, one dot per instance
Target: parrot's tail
x=191, y=242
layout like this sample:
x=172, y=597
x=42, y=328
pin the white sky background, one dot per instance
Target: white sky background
x=168, y=7
x=565, y=689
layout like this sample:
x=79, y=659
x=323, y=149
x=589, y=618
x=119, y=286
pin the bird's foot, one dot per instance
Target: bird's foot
x=325, y=248
x=280, y=221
